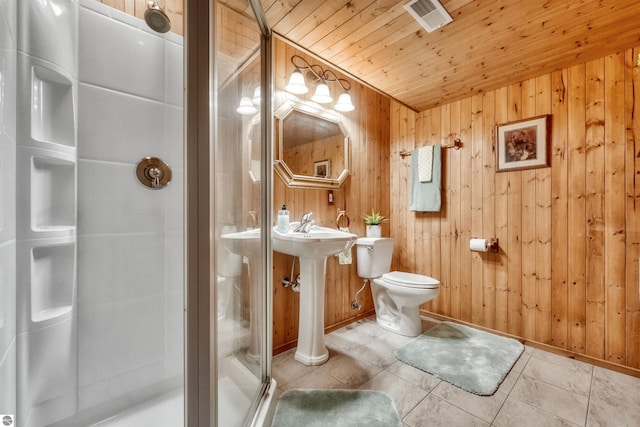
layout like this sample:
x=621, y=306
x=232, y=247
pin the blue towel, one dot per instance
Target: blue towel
x=425, y=196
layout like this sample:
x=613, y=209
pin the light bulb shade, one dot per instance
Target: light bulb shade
x=246, y=106
x=256, y=96
x=344, y=103
x=322, y=95
x=296, y=84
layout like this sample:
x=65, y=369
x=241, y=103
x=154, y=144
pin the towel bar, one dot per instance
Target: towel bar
x=457, y=144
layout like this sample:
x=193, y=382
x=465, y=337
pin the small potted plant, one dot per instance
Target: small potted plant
x=373, y=222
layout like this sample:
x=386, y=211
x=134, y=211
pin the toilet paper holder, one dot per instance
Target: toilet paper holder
x=493, y=244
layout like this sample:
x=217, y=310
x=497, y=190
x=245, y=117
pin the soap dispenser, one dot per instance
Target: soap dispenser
x=283, y=219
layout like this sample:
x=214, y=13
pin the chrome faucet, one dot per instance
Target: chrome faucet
x=305, y=223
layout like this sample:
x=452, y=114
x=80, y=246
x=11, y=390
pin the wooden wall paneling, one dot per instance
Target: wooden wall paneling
x=488, y=208
x=529, y=238
x=453, y=210
x=501, y=207
x=409, y=217
x=425, y=219
x=420, y=255
x=594, y=200
x=477, y=142
x=576, y=243
x=614, y=152
x=570, y=214
x=175, y=10
x=466, y=212
x=396, y=165
x=543, y=226
x=403, y=238
x=514, y=230
x=559, y=214
x=437, y=252
x=445, y=214
x=632, y=169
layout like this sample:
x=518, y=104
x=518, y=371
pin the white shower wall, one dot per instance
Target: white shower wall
x=91, y=262
x=8, y=45
x=130, y=292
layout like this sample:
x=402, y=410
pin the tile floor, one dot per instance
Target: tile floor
x=542, y=389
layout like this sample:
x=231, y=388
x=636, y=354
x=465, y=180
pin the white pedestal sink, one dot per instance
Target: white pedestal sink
x=312, y=248
x=247, y=244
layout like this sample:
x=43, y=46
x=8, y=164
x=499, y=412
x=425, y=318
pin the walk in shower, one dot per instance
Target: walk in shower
x=92, y=218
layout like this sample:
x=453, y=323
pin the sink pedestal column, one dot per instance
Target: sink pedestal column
x=311, y=349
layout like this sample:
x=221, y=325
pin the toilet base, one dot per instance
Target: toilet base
x=407, y=323
x=398, y=308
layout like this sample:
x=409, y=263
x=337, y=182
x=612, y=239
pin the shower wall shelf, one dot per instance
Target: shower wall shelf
x=52, y=112
x=47, y=106
x=48, y=293
x=47, y=189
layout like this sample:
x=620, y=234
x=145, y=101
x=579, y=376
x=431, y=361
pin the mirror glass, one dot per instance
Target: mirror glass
x=312, y=147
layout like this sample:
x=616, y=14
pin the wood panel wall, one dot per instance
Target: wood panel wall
x=367, y=188
x=567, y=270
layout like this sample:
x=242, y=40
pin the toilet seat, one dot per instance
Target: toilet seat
x=410, y=280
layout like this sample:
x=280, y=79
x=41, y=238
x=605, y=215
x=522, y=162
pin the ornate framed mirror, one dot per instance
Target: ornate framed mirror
x=312, y=147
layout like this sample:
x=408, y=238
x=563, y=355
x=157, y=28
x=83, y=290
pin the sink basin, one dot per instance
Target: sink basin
x=318, y=242
x=242, y=242
x=312, y=248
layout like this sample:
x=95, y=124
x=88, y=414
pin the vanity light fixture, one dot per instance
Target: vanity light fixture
x=256, y=96
x=246, y=107
x=322, y=94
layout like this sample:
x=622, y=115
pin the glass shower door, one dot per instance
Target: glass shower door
x=240, y=211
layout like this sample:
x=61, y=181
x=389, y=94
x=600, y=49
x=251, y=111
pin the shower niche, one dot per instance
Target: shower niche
x=52, y=116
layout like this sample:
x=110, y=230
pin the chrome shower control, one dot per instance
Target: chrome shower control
x=153, y=173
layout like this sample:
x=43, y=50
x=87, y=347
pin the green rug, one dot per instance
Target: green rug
x=335, y=408
x=473, y=360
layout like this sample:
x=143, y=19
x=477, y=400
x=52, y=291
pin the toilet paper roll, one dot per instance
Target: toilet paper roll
x=479, y=245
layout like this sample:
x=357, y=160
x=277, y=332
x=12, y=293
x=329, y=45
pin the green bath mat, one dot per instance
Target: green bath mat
x=473, y=360
x=335, y=408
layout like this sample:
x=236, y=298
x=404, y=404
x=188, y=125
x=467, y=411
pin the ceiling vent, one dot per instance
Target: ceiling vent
x=429, y=13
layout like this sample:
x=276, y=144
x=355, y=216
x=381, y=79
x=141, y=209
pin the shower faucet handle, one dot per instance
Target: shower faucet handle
x=153, y=173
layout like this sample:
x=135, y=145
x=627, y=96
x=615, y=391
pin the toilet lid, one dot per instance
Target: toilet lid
x=410, y=280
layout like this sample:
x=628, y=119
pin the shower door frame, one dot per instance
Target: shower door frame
x=199, y=127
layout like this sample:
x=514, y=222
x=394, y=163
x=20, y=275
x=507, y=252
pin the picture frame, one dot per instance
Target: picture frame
x=321, y=169
x=523, y=144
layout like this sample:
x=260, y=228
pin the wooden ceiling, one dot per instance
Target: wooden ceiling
x=489, y=43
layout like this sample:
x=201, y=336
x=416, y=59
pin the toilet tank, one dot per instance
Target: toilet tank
x=374, y=256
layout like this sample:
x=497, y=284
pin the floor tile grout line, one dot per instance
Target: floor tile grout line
x=508, y=395
x=586, y=415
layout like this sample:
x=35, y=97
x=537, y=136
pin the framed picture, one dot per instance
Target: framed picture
x=523, y=144
x=321, y=169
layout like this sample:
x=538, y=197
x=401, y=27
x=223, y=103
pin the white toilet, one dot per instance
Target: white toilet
x=397, y=296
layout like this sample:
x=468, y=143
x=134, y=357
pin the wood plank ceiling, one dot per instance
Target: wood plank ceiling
x=489, y=43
